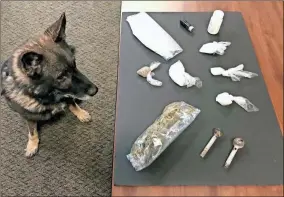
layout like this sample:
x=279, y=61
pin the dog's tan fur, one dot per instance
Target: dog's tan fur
x=80, y=113
x=33, y=142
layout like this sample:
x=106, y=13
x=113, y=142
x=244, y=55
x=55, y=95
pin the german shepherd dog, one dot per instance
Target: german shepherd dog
x=41, y=79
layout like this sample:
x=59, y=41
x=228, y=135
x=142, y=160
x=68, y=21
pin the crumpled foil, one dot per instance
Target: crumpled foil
x=175, y=118
x=153, y=36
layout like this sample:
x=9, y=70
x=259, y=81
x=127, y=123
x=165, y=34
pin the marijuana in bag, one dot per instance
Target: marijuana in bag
x=176, y=117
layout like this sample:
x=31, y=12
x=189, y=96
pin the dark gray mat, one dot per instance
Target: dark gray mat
x=74, y=159
x=139, y=104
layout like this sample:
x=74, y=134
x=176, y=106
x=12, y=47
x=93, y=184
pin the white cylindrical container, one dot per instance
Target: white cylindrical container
x=215, y=22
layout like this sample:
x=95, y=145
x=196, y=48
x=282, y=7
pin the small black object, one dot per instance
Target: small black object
x=186, y=25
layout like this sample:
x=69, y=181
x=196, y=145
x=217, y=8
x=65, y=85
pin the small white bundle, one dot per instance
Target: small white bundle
x=225, y=99
x=214, y=47
x=179, y=76
x=147, y=73
x=236, y=73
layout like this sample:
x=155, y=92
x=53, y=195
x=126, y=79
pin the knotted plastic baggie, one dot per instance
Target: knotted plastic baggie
x=179, y=76
x=147, y=72
x=176, y=117
x=153, y=36
x=225, y=99
x=235, y=73
x=214, y=48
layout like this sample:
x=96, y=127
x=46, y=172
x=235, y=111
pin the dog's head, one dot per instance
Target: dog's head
x=50, y=63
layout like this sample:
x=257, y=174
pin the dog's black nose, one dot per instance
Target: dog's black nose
x=92, y=91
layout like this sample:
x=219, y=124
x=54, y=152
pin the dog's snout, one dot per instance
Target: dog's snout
x=92, y=90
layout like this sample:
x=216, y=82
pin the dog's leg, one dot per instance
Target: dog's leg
x=81, y=114
x=32, y=145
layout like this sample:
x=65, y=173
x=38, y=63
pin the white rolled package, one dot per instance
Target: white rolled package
x=226, y=99
x=153, y=36
x=235, y=73
x=215, y=47
x=179, y=76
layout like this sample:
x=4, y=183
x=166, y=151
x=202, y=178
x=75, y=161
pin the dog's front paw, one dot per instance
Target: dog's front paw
x=84, y=116
x=32, y=148
x=81, y=114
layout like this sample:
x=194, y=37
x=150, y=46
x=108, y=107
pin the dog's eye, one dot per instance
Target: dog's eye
x=61, y=76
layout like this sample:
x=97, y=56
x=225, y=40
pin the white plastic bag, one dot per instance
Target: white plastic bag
x=147, y=72
x=179, y=76
x=235, y=73
x=225, y=99
x=214, y=48
x=153, y=36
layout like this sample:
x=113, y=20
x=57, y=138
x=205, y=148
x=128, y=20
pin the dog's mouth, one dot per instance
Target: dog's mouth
x=82, y=98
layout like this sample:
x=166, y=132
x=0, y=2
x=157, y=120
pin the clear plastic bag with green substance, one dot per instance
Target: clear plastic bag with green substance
x=175, y=118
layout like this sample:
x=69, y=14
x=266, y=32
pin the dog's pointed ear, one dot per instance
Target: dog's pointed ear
x=31, y=62
x=57, y=30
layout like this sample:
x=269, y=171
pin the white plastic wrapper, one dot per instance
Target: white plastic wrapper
x=153, y=82
x=147, y=72
x=176, y=117
x=153, y=36
x=235, y=73
x=179, y=76
x=226, y=99
x=214, y=48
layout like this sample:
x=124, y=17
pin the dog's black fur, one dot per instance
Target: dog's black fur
x=41, y=79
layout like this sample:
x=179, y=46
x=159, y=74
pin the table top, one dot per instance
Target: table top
x=264, y=26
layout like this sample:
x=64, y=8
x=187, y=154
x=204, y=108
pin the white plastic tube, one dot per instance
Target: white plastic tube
x=215, y=22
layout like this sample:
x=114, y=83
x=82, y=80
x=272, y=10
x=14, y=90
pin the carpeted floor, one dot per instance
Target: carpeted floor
x=75, y=159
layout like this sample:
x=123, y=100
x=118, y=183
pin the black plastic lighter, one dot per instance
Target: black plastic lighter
x=186, y=25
